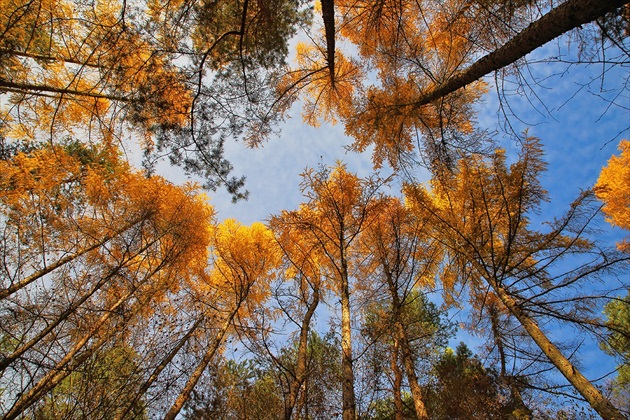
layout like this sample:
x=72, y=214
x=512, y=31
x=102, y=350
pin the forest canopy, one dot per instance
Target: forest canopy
x=124, y=295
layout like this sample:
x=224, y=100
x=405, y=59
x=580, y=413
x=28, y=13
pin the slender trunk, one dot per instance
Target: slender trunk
x=158, y=369
x=569, y=15
x=407, y=357
x=591, y=394
x=184, y=395
x=72, y=359
x=4, y=363
x=4, y=293
x=398, y=403
x=300, y=369
x=410, y=371
x=37, y=89
x=347, y=389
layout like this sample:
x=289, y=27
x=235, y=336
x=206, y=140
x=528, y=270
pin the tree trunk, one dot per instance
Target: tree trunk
x=4, y=363
x=300, y=369
x=398, y=403
x=407, y=357
x=569, y=15
x=328, y=14
x=591, y=394
x=410, y=371
x=347, y=390
x=4, y=293
x=69, y=362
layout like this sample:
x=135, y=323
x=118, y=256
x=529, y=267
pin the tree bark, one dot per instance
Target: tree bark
x=398, y=403
x=158, y=369
x=328, y=14
x=410, y=371
x=569, y=15
x=70, y=361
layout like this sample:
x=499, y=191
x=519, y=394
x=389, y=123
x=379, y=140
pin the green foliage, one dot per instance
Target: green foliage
x=618, y=343
x=463, y=388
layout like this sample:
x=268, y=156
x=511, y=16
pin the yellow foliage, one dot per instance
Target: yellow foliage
x=245, y=259
x=613, y=188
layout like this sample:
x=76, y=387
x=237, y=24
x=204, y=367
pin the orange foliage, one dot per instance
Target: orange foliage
x=613, y=188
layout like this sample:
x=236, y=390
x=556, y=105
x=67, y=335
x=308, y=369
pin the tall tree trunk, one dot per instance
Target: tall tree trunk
x=4, y=363
x=347, y=389
x=569, y=15
x=398, y=403
x=405, y=348
x=517, y=398
x=410, y=371
x=591, y=394
x=72, y=360
x=328, y=14
x=300, y=368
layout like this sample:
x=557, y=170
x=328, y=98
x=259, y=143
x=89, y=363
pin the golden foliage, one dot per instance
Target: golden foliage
x=613, y=188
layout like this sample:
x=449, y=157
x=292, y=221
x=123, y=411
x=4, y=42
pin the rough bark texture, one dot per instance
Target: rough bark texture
x=591, y=394
x=567, y=16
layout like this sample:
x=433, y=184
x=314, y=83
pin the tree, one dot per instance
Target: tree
x=339, y=207
x=428, y=59
x=617, y=343
x=70, y=295
x=464, y=388
x=402, y=258
x=612, y=188
x=300, y=299
x=245, y=260
x=481, y=215
x=405, y=338
x=103, y=387
x=170, y=73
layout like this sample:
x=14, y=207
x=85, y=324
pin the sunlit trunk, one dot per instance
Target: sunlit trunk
x=347, y=389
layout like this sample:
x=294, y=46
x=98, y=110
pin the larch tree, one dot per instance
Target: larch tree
x=339, y=206
x=167, y=75
x=298, y=296
x=70, y=198
x=407, y=73
x=481, y=213
x=403, y=260
x=245, y=259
